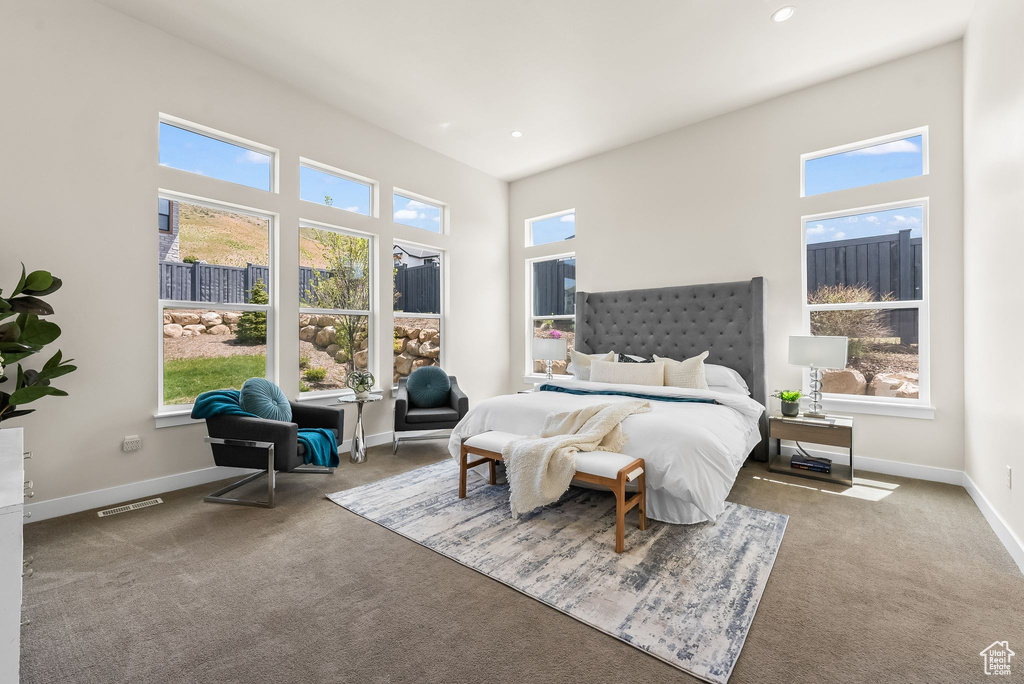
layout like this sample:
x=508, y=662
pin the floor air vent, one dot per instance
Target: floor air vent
x=130, y=507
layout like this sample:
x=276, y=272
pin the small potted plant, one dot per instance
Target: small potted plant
x=790, y=402
x=360, y=382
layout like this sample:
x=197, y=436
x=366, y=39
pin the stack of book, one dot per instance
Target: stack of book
x=815, y=463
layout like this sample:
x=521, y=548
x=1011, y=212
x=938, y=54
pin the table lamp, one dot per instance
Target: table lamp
x=817, y=352
x=547, y=349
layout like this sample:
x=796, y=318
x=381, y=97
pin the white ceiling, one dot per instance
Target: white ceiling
x=576, y=76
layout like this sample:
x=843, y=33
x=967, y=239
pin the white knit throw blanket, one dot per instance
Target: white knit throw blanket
x=539, y=469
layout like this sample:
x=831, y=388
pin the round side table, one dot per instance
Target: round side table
x=358, y=452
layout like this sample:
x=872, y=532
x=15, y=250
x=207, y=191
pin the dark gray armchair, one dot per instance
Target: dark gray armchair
x=268, y=445
x=410, y=418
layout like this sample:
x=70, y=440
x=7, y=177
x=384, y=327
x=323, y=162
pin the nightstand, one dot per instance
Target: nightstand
x=832, y=431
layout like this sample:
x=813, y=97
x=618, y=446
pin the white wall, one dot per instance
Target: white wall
x=82, y=87
x=993, y=244
x=719, y=201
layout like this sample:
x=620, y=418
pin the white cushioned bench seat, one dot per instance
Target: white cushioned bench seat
x=600, y=463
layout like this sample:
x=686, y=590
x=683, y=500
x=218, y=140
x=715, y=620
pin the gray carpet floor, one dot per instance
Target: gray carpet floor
x=908, y=588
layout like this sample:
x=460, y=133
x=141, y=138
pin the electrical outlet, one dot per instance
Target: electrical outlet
x=131, y=443
x=1009, y=477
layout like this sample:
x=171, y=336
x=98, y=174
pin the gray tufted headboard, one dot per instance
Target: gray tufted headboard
x=726, y=319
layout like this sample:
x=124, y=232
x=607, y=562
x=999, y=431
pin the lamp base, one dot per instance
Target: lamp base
x=816, y=414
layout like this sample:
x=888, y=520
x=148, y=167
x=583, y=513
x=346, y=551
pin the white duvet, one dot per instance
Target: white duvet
x=692, y=450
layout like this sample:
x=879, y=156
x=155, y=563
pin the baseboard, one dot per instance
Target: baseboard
x=1010, y=540
x=886, y=467
x=66, y=505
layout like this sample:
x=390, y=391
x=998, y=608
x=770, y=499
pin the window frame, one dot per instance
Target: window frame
x=442, y=262
x=371, y=356
x=373, y=185
x=530, y=374
x=535, y=219
x=230, y=139
x=443, y=223
x=170, y=216
x=271, y=309
x=920, y=407
x=864, y=144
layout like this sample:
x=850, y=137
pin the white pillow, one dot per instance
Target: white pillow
x=580, y=366
x=725, y=377
x=688, y=373
x=628, y=373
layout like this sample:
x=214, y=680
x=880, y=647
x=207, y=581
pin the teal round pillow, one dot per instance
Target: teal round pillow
x=428, y=387
x=263, y=398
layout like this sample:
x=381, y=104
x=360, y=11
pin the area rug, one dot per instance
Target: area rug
x=683, y=593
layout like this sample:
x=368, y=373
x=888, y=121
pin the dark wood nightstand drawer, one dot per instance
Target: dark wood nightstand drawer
x=840, y=436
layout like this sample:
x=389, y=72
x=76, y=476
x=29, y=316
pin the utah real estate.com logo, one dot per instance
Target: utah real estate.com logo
x=997, y=658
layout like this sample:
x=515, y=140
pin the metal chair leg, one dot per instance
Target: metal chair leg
x=217, y=496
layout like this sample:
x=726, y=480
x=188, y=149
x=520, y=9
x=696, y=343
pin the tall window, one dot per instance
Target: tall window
x=879, y=160
x=551, y=228
x=206, y=152
x=215, y=277
x=552, y=306
x=418, y=304
x=865, y=280
x=419, y=212
x=335, y=325
x=325, y=185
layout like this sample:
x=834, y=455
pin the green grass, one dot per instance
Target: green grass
x=185, y=379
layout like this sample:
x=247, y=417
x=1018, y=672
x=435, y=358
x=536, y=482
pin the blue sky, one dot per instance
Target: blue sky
x=196, y=153
x=887, y=222
x=554, y=229
x=867, y=166
x=411, y=212
x=315, y=185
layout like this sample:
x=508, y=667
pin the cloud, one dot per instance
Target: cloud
x=872, y=219
x=839, y=235
x=894, y=147
x=251, y=157
x=406, y=214
x=913, y=220
x=816, y=230
x=568, y=218
x=356, y=209
x=416, y=204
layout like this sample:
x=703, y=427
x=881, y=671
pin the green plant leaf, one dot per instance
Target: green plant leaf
x=10, y=332
x=11, y=357
x=48, y=374
x=31, y=305
x=38, y=332
x=6, y=415
x=37, y=281
x=55, y=285
x=53, y=362
x=21, y=283
x=27, y=394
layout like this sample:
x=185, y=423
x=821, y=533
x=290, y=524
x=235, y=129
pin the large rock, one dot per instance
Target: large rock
x=172, y=330
x=359, y=359
x=195, y=329
x=341, y=356
x=420, y=363
x=211, y=319
x=332, y=349
x=430, y=349
x=305, y=319
x=401, y=331
x=167, y=319
x=219, y=330
x=186, y=318
x=308, y=334
x=403, y=364
x=412, y=333
x=846, y=381
x=899, y=385
x=231, y=317
x=413, y=348
x=400, y=344
x=426, y=334
x=325, y=321
x=326, y=337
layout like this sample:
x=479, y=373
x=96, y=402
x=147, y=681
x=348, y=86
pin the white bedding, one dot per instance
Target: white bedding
x=692, y=450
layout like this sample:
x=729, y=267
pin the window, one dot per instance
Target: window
x=552, y=308
x=865, y=279
x=335, y=188
x=418, y=304
x=551, y=228
x=215, y=283
x=335, y=322
x=164, y=211
x=191, y=148
x=892, y=157
x=419, y=212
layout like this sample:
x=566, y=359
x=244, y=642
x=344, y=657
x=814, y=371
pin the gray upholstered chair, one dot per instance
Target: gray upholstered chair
x=268, y=445
x=411, y=418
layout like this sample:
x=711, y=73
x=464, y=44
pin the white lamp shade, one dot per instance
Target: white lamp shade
x=548, y=348
x=819, y=352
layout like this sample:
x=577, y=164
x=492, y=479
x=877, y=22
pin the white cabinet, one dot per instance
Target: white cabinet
x=12, y=481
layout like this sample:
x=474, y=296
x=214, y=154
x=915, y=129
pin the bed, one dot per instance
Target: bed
x=693, y=441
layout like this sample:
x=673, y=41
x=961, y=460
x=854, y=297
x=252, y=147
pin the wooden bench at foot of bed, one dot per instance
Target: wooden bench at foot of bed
x=602, y=468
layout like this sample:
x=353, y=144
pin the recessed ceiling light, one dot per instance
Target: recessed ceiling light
x=783, y=13
x=517, y=134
